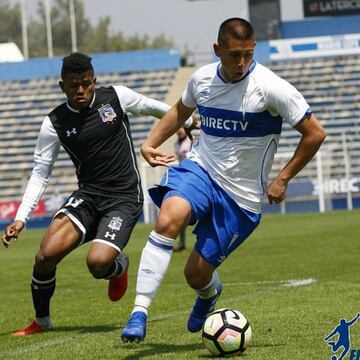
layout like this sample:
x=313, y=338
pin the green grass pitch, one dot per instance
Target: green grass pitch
x=289, y=319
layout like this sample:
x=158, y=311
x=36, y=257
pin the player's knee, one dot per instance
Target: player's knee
x=45, y=260
x=97, y=265
x=168, y=225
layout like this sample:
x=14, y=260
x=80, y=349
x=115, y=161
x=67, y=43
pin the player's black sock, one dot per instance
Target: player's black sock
x=114, y=270
x=42, y=289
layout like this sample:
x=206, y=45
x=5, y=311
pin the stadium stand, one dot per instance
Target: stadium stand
x=23, y=105
x=330, y=85
x=25, y=102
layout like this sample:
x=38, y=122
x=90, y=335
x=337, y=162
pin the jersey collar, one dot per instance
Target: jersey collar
x=251, y=69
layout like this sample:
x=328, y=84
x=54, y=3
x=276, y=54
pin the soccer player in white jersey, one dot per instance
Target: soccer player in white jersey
x=93, y=127
x=221, y=183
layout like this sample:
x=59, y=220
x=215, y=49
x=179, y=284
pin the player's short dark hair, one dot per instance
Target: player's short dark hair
x=237, y=28
x=76, y=63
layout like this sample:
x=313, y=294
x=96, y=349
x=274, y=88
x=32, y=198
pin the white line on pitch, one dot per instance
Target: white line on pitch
x=286, y=283
x=34, y=347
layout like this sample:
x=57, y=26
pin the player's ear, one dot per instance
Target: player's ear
x=95, y=80
x=61, y=84
x=216, y=49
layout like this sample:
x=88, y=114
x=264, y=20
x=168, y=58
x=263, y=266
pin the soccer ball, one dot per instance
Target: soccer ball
x=226, y=332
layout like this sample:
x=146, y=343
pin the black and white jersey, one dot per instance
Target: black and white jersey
x=99, y=143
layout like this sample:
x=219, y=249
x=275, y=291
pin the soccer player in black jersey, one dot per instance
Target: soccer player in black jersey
x=93, y=127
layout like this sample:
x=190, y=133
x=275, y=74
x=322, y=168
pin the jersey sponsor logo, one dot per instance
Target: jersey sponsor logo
x=107, y=113
x=115, y=223
x=229, y=123
x=71, y=132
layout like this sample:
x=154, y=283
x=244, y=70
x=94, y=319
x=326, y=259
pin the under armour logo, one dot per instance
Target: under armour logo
x=71, y=132
x=74, y=202
x=110, y=235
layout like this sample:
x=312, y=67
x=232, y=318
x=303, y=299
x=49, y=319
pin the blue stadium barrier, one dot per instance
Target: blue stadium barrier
x=321, y=27
x=120, y=62
x=262, y=52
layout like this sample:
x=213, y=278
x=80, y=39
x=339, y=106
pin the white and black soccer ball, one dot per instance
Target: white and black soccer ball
x=226, y=332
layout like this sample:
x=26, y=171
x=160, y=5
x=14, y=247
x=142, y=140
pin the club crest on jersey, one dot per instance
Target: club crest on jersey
x=107, y=113
x=115, y=223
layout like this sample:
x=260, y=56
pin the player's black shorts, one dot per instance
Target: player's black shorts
x=109, y=220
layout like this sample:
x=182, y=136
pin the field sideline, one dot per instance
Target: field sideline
x=289, y=318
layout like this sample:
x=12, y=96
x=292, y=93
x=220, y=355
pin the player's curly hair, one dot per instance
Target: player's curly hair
x=237, y=28
x=76, y=63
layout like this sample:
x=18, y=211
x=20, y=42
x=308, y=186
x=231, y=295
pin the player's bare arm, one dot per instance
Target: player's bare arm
x=313, y=136
x=12, y=231
x=167, y=126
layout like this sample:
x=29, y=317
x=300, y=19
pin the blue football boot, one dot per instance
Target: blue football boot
x=135, y=329
x=201, y=309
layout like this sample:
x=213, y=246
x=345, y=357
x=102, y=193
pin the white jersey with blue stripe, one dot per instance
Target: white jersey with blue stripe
x=241, y=124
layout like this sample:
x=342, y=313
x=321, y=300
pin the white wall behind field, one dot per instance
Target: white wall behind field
x=291, y=10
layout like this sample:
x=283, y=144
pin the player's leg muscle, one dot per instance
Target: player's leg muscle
x=198, y=271
x=60, y=239
x=175, y=214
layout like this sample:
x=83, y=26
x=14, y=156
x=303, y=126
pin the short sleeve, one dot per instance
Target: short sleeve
x=285, y=100
x=188, y=96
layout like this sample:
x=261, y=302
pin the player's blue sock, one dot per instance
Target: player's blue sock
x=205, y=303
x=135, y=329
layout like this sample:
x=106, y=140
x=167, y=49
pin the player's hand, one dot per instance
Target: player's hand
x=276, y=191
x=155, y=157
x=12, y=231
x=195, y=126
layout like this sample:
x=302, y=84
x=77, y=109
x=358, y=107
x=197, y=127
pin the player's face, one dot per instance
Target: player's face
x=236, y=57
x=79, y=88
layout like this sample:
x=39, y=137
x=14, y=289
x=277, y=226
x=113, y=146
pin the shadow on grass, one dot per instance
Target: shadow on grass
x=209, y=356
x=146, y=349
x=87, y=329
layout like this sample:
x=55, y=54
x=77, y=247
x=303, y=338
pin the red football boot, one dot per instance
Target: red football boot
x=33, y=328
x=117, y=286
